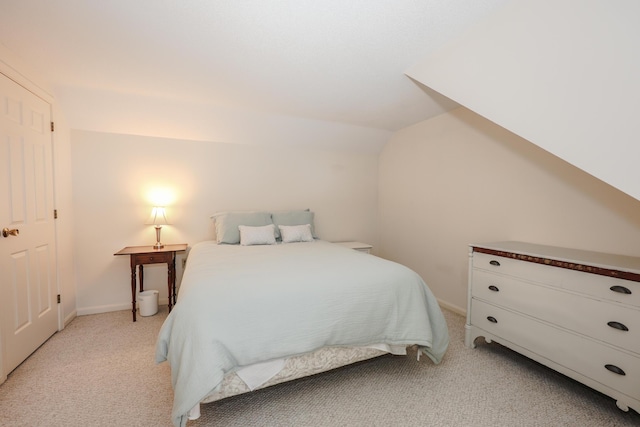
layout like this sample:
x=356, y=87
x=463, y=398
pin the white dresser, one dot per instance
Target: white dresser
x=577, y=312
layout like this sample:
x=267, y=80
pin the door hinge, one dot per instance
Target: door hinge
x=52, y=127
x=55, y=214
x=59, y=298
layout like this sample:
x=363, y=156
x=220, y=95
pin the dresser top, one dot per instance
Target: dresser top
x=578, y=256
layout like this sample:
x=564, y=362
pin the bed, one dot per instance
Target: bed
x=252, y=315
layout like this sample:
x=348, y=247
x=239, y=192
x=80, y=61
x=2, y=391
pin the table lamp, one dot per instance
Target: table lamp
x=158, y=218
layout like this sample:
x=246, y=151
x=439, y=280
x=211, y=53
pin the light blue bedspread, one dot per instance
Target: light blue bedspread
x=240, y=305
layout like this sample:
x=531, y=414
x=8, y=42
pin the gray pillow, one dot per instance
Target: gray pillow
x=294, y=217
x=227, y=224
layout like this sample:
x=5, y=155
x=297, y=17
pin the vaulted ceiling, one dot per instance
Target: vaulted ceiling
x=331, y=60
x=331, y=73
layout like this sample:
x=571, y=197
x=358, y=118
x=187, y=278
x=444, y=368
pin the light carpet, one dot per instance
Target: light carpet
x=100, y=371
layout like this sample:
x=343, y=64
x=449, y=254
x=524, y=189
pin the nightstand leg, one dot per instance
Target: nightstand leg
x=133, y=291
x=173, y=283
x=170, y=282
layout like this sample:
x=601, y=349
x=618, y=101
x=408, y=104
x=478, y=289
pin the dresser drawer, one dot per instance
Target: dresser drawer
x=512, y=267
x=575, y=352
x=612, y=323
x=595, y=285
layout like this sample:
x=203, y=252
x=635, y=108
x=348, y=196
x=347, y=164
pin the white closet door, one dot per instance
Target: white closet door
x=28, y=302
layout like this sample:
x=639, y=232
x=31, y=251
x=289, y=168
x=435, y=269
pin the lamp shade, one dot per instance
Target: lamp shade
x=158, y=216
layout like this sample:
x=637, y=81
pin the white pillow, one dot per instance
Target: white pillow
x=296, y=233
x=265, y=235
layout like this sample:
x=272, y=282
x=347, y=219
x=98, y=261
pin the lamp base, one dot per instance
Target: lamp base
x=158, y=245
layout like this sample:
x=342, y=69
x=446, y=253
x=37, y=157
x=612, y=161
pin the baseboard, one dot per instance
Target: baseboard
x=113, y=307
x=70, y=317
x=451, y=307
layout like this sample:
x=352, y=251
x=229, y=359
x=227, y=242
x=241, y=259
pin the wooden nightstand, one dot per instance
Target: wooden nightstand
x=141, y=255
x=358, y=246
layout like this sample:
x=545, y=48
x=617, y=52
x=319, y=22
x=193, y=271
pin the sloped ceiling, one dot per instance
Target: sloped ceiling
x=564, y=75
x=134, y=66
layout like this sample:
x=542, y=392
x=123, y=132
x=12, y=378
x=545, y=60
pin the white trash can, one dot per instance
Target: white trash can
x=148, y=302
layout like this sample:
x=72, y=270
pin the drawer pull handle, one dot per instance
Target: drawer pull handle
x=615, y=369
x=618, y=325
x=492, y=319
x=494, y=262
x=494, y=288
x=620, y=290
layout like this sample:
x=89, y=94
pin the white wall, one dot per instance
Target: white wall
x=459, y=179
x=115, y=177
x=562, y=74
